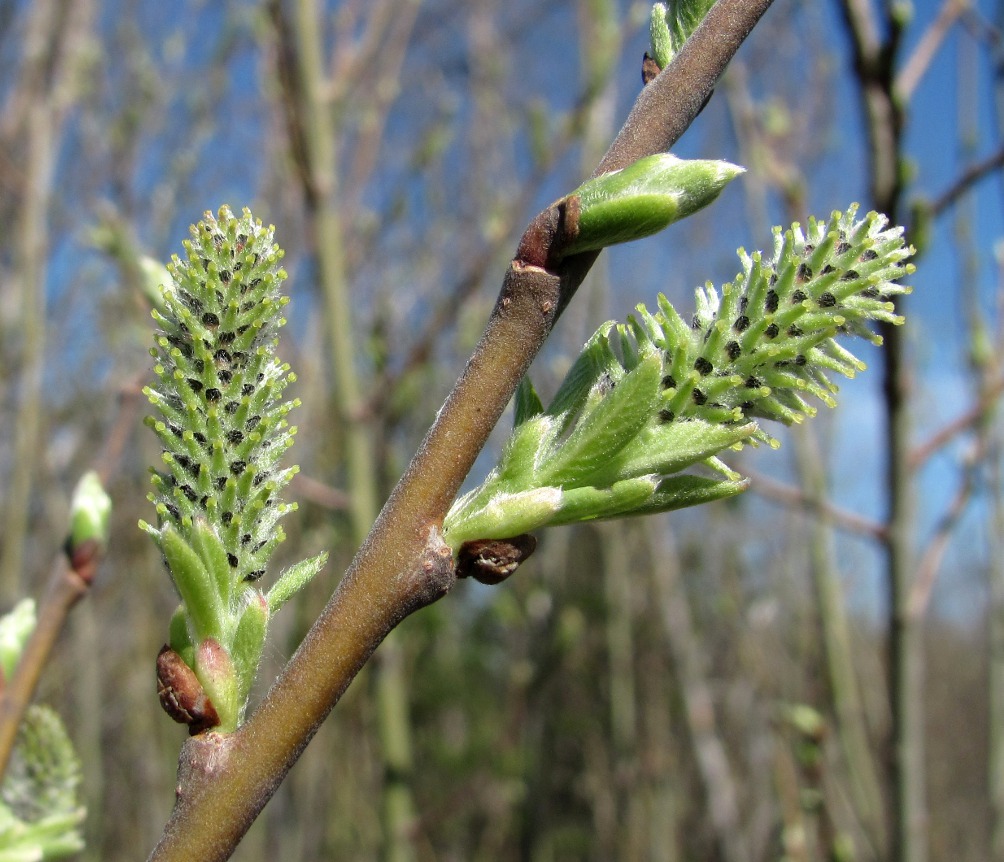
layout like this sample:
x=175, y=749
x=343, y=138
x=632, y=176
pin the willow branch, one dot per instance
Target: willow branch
x=930, y=561
x=927, y=48
x=225, y=780
x=797, y=499
x=969, y=178
x=69, y=582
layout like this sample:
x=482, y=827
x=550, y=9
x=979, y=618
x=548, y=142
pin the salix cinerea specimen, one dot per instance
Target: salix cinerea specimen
x=224, y=431
x=650, y=399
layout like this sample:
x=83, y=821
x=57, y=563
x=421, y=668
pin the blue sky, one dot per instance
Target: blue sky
x=228, y=163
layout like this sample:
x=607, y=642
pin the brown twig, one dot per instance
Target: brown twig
x=796, y=498
x=123, y=425
x=319, y=493
x=934, y=554
x=69, y=582
x=927, y=48
x=973, y=416
x=972, y=175
x=224, y=781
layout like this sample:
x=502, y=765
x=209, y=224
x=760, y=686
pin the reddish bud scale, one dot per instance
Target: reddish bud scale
x=491, y=561
x=181, y=694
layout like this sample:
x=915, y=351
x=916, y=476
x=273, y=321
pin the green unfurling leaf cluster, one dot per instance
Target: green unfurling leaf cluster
x=223, y=427
x=40, y=808
x=648, y=399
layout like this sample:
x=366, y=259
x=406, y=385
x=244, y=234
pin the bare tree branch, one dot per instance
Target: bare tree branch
x=796, y=498
x=927, y=48
x=69, y=581
x=973, y=416
x=969, y=178
x=930, y=561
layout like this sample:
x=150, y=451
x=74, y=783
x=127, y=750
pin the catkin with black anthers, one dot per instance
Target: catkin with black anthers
x=222, y=422
x=758, y=348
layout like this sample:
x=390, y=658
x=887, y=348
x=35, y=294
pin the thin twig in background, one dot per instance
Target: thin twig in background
x=970, y=177
x=927, y=48
x=319, y=493
x=986, y=404
x=69, y=582
x=796, y=498
x=930, y=560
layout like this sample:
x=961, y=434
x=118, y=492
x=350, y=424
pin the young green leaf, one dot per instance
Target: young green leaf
x=590, y=503
x=502, y=516
x=249, y=640
x=645, y=197
x=684, y=490
x=671, y=24
x=195, y=585
x=603, y=431
x=210, y=549
x=527, y=403
x=293, y=579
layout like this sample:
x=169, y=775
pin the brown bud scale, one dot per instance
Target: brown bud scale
x=181, y=694
x=491, y=561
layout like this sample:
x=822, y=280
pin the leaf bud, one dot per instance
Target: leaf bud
x=642, y=199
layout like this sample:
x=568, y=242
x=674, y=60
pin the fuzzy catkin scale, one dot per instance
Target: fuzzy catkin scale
x=222, y=422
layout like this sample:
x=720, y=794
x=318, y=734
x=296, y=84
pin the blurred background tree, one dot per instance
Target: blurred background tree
x=741, y=682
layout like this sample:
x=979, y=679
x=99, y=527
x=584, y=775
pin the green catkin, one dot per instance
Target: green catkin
x=220, y=380
x=224, y=429
x=775, y=324
x=656, y=395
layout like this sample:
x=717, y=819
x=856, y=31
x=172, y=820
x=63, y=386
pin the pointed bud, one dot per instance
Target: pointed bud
x=89, y=513
x=642, y=199
x=15, y=629
x=182, y=695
